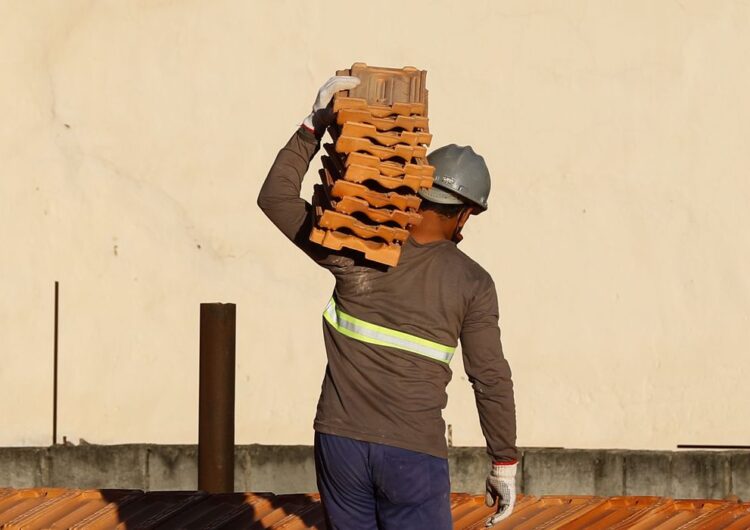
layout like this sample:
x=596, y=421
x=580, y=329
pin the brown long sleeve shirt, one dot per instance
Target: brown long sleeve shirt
x=384, y=394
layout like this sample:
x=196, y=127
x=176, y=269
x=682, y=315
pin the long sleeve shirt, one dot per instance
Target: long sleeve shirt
x=384, y=394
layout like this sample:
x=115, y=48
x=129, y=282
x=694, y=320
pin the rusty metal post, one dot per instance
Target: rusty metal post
x=216, y=398
x=54, y=364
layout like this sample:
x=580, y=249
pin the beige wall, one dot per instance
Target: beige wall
x=134, y=137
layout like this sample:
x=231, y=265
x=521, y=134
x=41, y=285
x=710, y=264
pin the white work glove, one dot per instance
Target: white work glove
x=321, y=115
x=501, y=484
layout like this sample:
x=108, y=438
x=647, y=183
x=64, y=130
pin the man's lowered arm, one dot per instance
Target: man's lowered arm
x=490, y=376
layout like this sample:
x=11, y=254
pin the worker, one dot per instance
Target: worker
x=390, y=332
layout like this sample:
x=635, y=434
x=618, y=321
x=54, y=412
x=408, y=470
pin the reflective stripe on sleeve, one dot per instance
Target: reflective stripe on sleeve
x=382, y=336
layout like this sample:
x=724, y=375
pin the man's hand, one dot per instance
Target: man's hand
x=501, y=484
x=321, y=115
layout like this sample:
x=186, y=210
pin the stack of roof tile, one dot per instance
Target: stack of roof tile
x=371, y=173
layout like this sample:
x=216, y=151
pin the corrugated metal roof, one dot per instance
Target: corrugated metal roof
x=30, y=509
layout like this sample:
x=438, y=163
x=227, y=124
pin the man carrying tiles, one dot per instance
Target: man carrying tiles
x=390, y=333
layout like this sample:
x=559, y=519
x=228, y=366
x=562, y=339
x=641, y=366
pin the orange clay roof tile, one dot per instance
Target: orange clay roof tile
x=386, y=253
x=388, y=139
x=343, y=188
x=407, y=123
x=351, y=205
x=387, y=86
x=350, y=144
x=33, y=509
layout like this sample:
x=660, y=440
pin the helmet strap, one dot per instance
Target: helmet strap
x=461, y=219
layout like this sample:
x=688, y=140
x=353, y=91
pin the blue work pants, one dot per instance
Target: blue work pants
x=370, y=486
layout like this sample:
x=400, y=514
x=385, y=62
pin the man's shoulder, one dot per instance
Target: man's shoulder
x=471, y=268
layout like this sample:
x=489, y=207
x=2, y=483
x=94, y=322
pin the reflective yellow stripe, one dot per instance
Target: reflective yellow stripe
x=382, y=336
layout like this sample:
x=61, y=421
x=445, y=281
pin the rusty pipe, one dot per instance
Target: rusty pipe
x=216, y=398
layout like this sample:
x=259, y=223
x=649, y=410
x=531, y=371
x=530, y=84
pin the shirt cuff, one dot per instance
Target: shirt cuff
x=307, y=134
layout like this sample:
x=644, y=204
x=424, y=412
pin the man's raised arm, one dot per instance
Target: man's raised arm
x=279, y=196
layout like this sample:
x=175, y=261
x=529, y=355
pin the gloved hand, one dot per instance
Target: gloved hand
x=321, y=115
x=501, y=484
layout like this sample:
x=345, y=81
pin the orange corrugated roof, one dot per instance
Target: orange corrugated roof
x=30, y=509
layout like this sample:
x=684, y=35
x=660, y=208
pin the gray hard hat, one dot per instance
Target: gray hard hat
x=461, y=177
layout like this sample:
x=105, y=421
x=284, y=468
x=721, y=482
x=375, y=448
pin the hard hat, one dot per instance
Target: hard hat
x=461, y=177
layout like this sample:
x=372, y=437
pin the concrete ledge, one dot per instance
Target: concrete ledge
x=468, y=467
x=739, y=468
x=170, y=466
x=281, y=468
x=96, y=466
x=694, y=474
x=572, y=472
x=710, y=472
x=22, y=467
x=291, y=469
x=647, y=472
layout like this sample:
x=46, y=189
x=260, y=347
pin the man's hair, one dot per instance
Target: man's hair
x=445, y=210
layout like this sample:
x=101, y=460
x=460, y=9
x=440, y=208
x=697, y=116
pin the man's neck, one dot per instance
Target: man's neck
x=424, y=235
x=433, y=227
